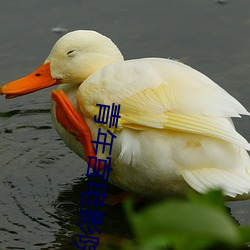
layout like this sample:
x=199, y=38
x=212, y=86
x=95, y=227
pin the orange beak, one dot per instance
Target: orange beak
x=41, y=78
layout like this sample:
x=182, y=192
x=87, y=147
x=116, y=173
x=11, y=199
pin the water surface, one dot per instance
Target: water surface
x=41, y=179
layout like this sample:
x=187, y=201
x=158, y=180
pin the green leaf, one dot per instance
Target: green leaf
x=213, y=197
x=245, y=234
x=176, y=223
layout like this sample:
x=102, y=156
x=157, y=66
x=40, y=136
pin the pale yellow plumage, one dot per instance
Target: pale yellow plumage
x=175, y=128
x=150, y=99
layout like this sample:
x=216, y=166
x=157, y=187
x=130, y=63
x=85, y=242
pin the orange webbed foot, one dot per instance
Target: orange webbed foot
x=72, y=121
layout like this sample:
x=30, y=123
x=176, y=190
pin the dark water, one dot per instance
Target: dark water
x=41, y=180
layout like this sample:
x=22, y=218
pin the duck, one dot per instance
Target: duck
x=174, y=131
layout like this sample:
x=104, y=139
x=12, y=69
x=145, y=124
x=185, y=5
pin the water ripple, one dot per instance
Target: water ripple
x=26, y=112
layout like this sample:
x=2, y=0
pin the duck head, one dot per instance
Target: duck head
x=74, y=57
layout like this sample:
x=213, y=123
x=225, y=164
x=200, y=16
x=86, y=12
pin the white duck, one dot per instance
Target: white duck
x=175, y=129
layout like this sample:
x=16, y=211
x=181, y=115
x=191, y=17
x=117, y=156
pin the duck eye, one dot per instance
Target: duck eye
x=70, y=52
